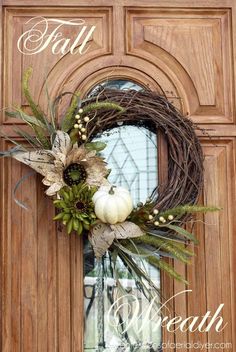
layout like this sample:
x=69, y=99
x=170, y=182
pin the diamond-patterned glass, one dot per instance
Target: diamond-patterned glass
x=131, y=154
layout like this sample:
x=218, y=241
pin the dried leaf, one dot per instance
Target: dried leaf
x=102, y=235
x=126, y=229
x=40, y=160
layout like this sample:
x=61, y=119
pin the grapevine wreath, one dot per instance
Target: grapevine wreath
x=64, y=151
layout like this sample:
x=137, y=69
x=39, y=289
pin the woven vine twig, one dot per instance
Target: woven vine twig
x=155, y=112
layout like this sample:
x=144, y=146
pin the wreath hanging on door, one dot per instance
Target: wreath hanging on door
x=76, y=176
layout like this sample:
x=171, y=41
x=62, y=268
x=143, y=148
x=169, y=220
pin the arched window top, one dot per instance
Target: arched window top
x=117, y=83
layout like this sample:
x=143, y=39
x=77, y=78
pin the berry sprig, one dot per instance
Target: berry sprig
x=159, y=220
x=145, y=213
x=81, y=124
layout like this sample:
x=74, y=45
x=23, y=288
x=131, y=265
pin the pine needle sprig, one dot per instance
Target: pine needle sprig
x=188, y=209
x=69, y=119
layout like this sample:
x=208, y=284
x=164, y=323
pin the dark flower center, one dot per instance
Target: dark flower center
x=74, y=174
x=80, y=205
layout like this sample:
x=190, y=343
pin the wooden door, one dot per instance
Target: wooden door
x=186, y=50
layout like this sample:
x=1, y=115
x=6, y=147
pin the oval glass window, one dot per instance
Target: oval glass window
x=127, y=324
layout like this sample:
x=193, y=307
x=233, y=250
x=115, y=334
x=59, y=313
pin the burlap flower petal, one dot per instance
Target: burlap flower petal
x=96, y=171
x=53, y=177
x=76, y=155
x=55, y=182
x=60, y=159
x=54, y=188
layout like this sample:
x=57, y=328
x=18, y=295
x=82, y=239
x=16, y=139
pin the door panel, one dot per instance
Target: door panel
x=42, y=274
x=180, y=48
x=193, y=47
x=211, y=276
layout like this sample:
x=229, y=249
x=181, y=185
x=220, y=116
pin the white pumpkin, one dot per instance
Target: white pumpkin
x=112, y=204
